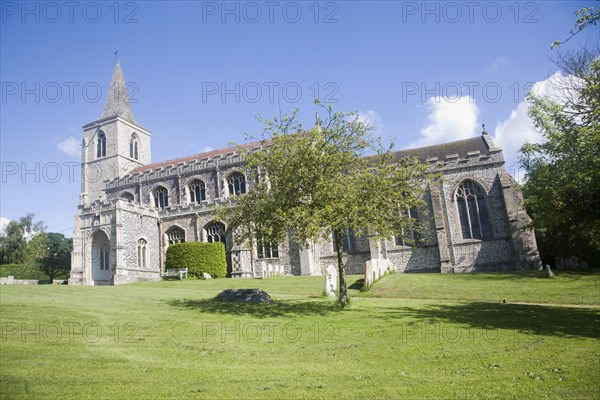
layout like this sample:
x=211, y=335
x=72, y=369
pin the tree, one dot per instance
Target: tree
x=37, y=248
x=586, y=16
x=14, y=242
x=57, y=261
x=318, y=183
x=562, y=191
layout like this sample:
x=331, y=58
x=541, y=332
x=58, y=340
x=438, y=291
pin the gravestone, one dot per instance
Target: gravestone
x=549, y=273
x=269, y=270
x=583, y=266
x=263, y=269
x=574, y=263
x=331, y=278
x=206, y=276
x=560, y=263
x=10, y=280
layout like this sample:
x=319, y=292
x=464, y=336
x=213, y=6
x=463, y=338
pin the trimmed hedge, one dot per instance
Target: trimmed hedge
x=21, y=271
x=198, y=258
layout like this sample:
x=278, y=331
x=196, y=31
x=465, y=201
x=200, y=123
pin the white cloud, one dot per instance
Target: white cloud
x=3, y=222
x=70, y=146
x=498, y=64
x=449, y=119
x=372, y=119
x=207, y=149
x=518, y=128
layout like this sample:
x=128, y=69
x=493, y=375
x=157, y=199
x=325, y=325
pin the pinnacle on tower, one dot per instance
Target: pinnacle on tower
x=117, y=101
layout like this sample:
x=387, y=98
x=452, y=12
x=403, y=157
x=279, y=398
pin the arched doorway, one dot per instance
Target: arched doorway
x=101, y=259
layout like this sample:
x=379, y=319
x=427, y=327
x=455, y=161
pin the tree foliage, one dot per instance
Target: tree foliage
x=586, y=17
x=562, y=192
x=57, y=260
x=14, y=241
x=317, y=183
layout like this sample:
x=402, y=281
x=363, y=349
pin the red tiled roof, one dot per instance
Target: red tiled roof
x=197, y=157
x=460, y=147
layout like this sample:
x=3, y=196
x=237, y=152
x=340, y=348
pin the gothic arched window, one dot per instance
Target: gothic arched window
x=175, y=235
x=101, y=147
x=197, y=191
x=215, y=232
x=266, y=248
x=472, y=211
x=410, y=236
x=142, y=246
x=348, y=241
x=133, y=147
x=236, y=183
x=104, y=249
x=161, y=198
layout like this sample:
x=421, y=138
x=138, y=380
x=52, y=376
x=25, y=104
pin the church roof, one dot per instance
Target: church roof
x=198, y=157
x=461, y=149
x=117, y=100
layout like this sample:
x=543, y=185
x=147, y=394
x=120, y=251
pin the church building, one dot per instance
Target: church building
x=130, y=210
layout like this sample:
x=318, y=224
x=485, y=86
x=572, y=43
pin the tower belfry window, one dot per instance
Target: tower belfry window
x=133, y=147
x=101, y=147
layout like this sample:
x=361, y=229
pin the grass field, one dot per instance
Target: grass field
x=411, y=336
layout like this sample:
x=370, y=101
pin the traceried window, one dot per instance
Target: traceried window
x=472, y=211
x=408, y=237
x=161, y=198
x=128, y=197
x=104, y=251
x=197, y=191
x=266, y=248
x=348, y=241
x=142, y=250
x=215, y=232
x=133, y=147
x=175, y=235
x=101, y=145
x=236, y=183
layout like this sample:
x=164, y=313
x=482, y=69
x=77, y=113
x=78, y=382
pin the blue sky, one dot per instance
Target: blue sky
x=200, y=72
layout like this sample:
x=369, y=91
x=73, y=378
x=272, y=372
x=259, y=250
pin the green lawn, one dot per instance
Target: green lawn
x=411, y=336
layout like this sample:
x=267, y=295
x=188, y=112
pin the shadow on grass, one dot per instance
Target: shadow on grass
x=358, y=284
x=261, y=310
x=526, y=318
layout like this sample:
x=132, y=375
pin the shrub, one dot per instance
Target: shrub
x=21, y=271
x=198, y=258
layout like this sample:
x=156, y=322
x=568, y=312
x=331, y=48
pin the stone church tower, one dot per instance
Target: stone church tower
x=114, y=144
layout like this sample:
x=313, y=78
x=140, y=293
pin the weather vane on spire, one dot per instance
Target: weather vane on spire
x=116, y=53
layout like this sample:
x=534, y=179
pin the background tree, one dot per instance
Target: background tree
x=37, y=248
x=57, y=260
x=15, y=239
x=317, y=184
x=562, y=191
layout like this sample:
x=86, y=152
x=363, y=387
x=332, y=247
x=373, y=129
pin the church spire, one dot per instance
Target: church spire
x=117, y=101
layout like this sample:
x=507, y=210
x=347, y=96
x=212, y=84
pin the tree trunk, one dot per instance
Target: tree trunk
x=343, y=290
